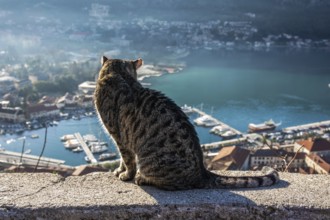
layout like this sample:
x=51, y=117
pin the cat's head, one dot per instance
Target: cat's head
x=120, y=66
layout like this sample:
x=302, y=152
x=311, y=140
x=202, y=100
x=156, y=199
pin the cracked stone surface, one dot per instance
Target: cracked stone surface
x=102, y=195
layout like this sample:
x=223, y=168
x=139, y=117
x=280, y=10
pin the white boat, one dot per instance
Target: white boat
x=228, y=134
x=97, y=143
x=34, y=136
x=9, y=141
x=71, y=144
x=77, y=150
x=67, y=137
x=98, y=149
x=87, y=159
x=206, y=121
x=90, y=138
x=267, y=125
x=107, y=156
x=27, y=151
x=219, y=129
x=187, y=109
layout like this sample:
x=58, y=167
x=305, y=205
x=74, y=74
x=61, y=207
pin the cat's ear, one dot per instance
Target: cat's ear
x=138, y=63
x=103, y=60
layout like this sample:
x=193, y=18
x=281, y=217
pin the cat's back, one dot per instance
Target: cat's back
x=167, y=144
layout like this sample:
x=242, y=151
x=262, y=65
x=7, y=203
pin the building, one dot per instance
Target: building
x=318, y=164
x=298, y=161
x=7, y=84
x=12, y=114
x=20, y=84
x=67, y=101
x=86, y=101
x=318, y=146
x=47, y=100
x=42, y=111
x=317, y=155
x=230, y=158
x=268, y=157
x=99, y=11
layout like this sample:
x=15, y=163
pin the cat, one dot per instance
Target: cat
x=158, y=144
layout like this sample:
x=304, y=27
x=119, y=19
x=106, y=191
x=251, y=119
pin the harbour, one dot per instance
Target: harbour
x=255, y=139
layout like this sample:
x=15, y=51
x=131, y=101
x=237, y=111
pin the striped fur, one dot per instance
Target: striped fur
x=158, y=144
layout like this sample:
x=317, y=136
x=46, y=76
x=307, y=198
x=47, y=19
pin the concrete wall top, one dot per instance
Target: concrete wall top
x=103, y=196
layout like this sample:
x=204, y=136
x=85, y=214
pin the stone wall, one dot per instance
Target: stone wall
x=103, y=196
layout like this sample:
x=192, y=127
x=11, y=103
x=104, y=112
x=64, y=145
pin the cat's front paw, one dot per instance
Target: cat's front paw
x=139, y=181
x=118, y=171
x=126, y=176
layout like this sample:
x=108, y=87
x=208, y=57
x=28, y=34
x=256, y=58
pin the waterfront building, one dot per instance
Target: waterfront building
x=317, y=164
x=317, y=155
x=42, y=111
x=66, y=101
x=317, y=146
x=7, y=84
x=86, y=101
x=230, y=158
x=267, y=157
x=15, y=115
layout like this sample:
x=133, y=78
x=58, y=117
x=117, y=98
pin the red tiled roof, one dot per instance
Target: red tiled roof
x=41, y=108
x=318, y=144
x=318, y=160
x=236, y=154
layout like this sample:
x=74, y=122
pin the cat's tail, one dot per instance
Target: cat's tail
x=269, y=177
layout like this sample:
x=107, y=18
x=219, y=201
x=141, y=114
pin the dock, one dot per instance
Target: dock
x=308, y=126
x=219, y=144
x=217, y=121
x=85, y=147
x=14, y=158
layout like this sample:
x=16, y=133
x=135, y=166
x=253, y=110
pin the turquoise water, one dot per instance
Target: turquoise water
x=236, y=87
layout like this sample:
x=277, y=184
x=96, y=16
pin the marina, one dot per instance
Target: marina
x=258, y=132
x=215, y=121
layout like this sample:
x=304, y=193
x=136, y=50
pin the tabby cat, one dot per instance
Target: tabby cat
x=158, y=144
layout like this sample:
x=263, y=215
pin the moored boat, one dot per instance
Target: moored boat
x=34, y=136
x=229, y=134
x=71, y=144
x=67, y=137
x=206, y=121
x=90, y=138
x=267, y=125
x=77, y=149
x=107, y=156
x=87, y=159
x=187, y=109
x=219, y=129
x=98, y=149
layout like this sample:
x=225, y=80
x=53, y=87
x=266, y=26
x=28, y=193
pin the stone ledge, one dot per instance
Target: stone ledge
x=103, y=196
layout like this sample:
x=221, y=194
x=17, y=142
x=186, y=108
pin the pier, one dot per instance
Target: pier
x=308, y=126
x=85, y=147
x=218, y=144
x=217, y=121
x=14, y=158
